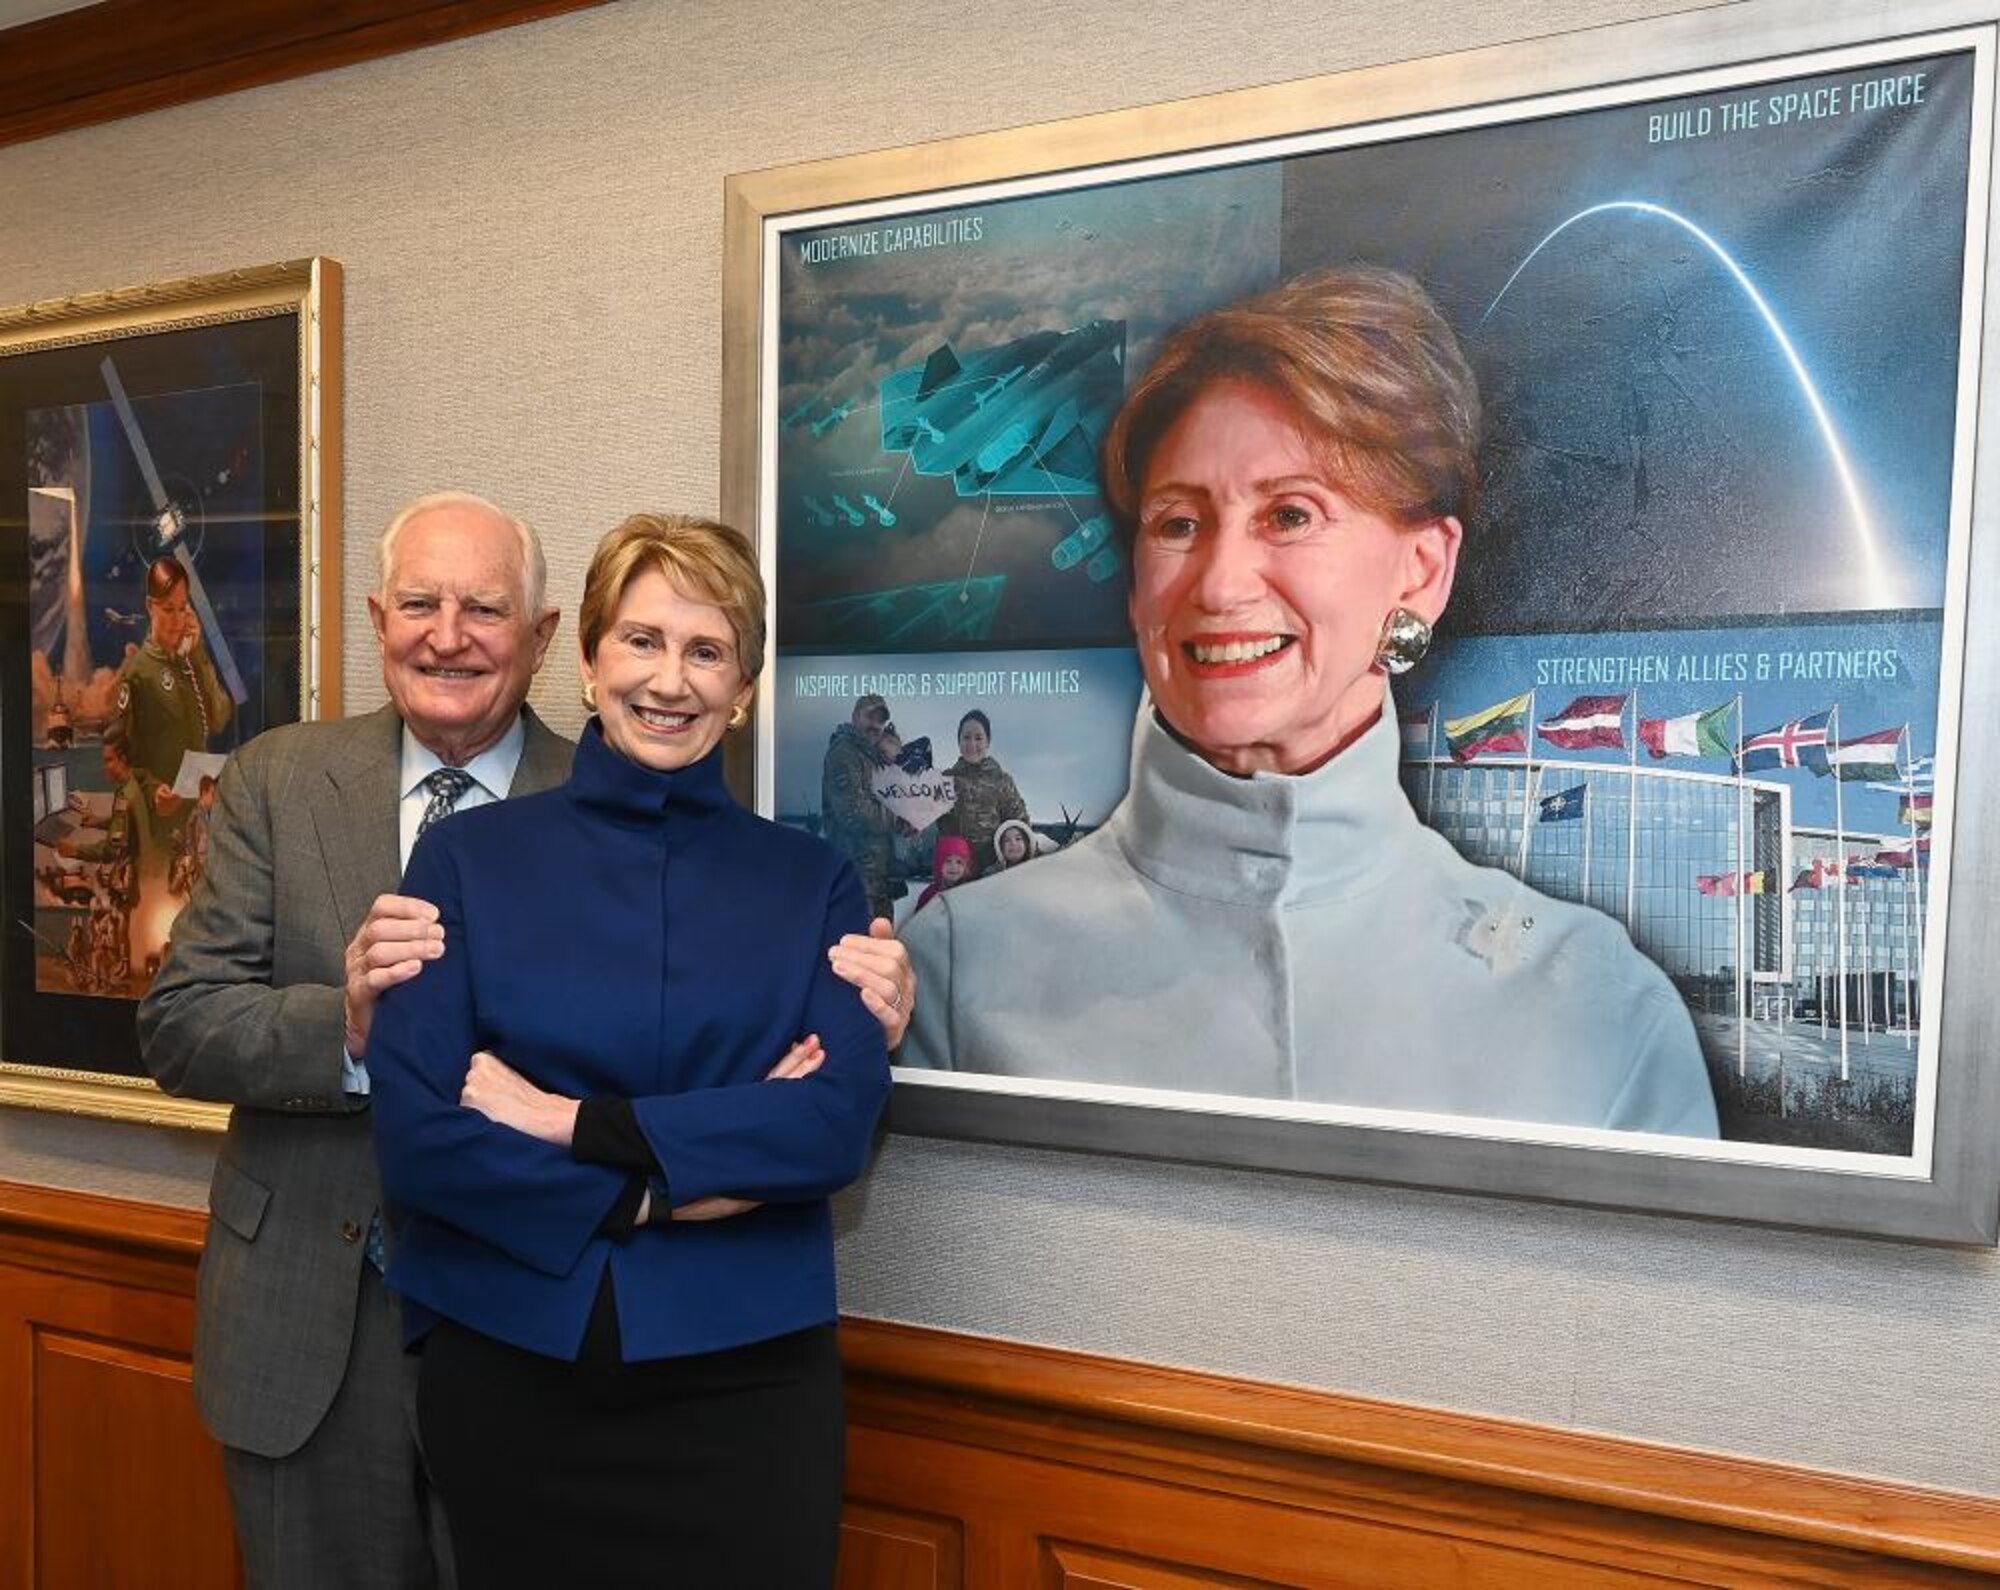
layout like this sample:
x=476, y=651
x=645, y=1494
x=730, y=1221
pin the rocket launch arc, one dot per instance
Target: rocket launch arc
x=1882, y=588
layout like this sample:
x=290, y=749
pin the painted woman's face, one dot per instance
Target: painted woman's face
x=1259, y=587
x=972, y=741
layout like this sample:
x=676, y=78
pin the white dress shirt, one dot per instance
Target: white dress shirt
x=492, y=773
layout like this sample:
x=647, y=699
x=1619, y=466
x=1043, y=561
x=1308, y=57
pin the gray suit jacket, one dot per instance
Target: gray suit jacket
x=247, y=1011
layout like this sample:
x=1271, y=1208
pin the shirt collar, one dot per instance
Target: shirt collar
x=1271, y=837
x=492, y=769
x=604, y=778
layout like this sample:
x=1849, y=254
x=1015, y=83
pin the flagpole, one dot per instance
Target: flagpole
x=1527, y=824
x=1861, y=909
x=1431, y=783
x=1840, y=900
x=1788, y=954
x=1788, y=934
x=1632, y=826
x=1916, y=878
x=1586, y=840
x=1912, y=932
x=1819, y=966
x=1742, y=1015
x=1865, y=920
x=1527, y=785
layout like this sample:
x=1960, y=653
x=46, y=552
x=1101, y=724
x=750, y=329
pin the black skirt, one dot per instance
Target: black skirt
x=717, y=1470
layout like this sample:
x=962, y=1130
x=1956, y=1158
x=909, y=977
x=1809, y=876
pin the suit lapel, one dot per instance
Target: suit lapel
x=355, y=804
x=545, y=758
x=354, y=809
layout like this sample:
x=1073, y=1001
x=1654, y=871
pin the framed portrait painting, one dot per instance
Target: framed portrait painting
x=169, y=524
x=1655, y=882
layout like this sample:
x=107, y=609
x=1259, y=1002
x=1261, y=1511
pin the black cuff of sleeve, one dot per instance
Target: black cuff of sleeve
x=624, y=1214
x=607, y=1133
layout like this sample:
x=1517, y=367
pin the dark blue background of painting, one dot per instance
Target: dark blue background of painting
x=1650, y=460
x=1648, y=453
x=69, y=1030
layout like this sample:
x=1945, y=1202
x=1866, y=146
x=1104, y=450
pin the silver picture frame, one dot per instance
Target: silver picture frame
x=1947, y=1188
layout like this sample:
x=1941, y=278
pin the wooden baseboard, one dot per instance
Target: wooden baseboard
x=994, y=1465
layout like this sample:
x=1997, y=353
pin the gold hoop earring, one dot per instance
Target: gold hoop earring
x=590, y=695
x=1406, y=636
x=738, y=716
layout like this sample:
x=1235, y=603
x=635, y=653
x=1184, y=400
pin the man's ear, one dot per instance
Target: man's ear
x=545, y=631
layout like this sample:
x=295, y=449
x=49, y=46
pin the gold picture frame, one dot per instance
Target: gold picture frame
x=197, y=419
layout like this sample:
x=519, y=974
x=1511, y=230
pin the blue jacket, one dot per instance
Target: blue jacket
x=633, y=934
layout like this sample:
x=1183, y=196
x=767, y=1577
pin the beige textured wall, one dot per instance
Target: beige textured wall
x=531, y=228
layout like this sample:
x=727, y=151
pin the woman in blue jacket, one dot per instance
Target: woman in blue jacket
x=609, y=1165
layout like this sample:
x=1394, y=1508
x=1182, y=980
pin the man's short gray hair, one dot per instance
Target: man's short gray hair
x=534, y=566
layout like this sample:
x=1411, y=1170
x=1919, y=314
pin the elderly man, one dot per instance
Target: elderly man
x=266, y=1003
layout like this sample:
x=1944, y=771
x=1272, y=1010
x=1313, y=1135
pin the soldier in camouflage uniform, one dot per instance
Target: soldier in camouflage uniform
x=987, y=796
x=851, y=819
x=170, y=701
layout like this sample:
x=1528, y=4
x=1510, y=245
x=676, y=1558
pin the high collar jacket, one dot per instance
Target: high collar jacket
x=1301, y=938
x=634, y=934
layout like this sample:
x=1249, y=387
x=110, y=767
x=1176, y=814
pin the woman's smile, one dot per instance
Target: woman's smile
x=1260, y=586
x=1226, y=656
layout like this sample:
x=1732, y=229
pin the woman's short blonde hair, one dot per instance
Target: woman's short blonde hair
x=699, y=557
x=1375, y=375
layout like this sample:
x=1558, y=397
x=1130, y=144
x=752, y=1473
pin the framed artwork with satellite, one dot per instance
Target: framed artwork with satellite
x=1673, y=338
x=169, y=548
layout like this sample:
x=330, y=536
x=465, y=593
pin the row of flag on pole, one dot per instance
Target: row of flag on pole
x=1598, y=723
x=1822, y=874
x=1570, y=805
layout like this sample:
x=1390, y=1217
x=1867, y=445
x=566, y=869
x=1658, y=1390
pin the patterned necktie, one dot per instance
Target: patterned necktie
x=446, y=786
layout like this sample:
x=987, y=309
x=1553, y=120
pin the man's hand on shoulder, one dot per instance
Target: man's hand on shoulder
x=391, y=946
x=878, y=965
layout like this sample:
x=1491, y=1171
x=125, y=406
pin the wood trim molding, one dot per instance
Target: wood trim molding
x=147, y=1246
x=1155, y=1416
x=1320, y=1453
x=92, y=1220
x=123, y=57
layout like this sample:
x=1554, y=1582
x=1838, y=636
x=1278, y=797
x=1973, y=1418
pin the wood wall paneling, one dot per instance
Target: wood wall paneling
x=1032, y=1522
x=1068, y=1566
x=892, y=1548
x=123, y=57
x=106, y=1477
x=977, y=1465
x=1043, y=1452
x=107, y=1510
